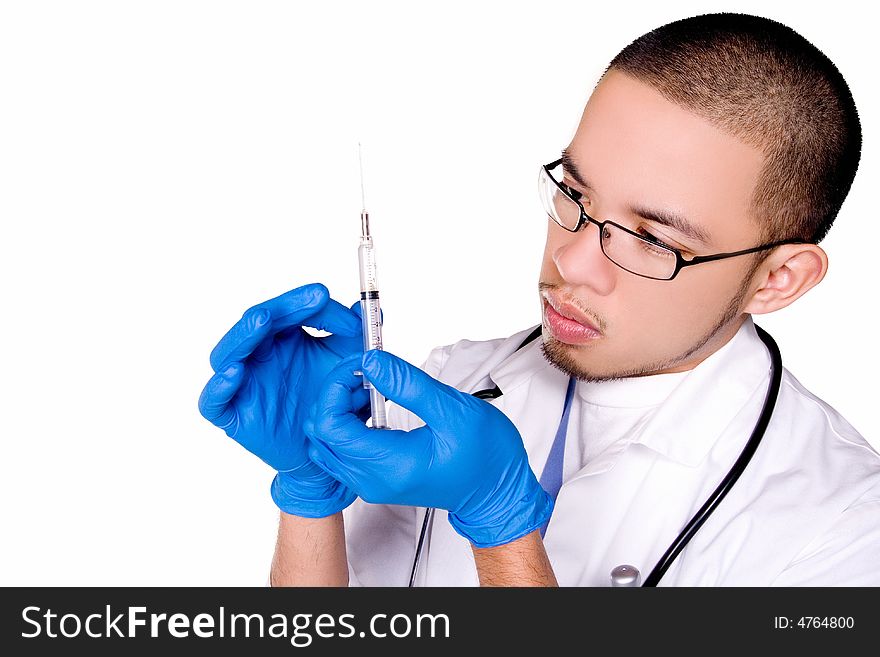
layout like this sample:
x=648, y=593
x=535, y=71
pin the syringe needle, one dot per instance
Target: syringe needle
x=365, y=218
x=361, y=163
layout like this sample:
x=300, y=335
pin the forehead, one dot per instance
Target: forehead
x=636, y=147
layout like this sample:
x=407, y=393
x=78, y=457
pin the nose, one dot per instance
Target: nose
x=580, y=261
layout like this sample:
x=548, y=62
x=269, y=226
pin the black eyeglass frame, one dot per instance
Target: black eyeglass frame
x=680, y=261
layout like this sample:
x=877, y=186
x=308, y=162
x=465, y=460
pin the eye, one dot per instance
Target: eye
x=654, y=239
x=576, y=195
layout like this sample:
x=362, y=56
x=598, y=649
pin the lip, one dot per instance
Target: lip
x=565, y=328
x=568, y=311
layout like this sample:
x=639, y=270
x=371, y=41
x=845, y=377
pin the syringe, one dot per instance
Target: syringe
x=371, y=312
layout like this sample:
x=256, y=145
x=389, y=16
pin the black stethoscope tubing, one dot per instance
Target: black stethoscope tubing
x=711, y=502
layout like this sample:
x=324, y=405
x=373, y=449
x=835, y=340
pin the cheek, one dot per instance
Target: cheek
x=679, y=307
x=698, y=297
x=648, y=306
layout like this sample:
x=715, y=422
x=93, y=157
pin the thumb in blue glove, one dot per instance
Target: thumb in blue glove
x=468, y=458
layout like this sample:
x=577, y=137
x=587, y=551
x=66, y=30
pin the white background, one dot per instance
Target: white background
x=166, y=165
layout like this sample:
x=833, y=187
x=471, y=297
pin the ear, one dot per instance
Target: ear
x=789, y=272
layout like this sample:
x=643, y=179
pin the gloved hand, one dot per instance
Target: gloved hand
x=468, y=458
x=268, y=370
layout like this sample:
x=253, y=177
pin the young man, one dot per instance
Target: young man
x=710, y=160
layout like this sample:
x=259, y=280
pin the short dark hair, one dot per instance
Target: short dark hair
x=765, y=84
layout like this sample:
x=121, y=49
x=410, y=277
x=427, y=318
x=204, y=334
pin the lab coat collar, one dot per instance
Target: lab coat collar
x=523, y=365
x=686, y=426
x=683, y=428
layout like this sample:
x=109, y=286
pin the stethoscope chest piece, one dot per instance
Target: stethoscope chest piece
x=626, y=575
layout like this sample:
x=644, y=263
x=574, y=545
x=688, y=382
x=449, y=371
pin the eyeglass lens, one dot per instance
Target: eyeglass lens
x=624, y=249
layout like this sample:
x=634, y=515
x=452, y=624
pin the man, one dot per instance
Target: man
x=710, y=160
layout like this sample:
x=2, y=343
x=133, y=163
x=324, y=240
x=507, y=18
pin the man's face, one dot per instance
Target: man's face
x=638, y=150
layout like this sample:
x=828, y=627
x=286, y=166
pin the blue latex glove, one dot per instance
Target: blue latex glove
x=468, y=458
x=268, y=371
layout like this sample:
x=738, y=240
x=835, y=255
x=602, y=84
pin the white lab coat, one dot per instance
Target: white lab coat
x=806, y=511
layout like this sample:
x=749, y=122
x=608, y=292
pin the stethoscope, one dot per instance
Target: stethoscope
x=626, y=575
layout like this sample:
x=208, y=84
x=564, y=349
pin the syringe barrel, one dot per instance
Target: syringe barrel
x=371, y=310
x=367, y=263
x=377, y=409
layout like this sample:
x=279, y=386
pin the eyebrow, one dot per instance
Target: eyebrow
x=663, y=217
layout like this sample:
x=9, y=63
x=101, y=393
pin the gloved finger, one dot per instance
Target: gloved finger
x=401, y=382
x=263, y=351
x=324, y=458
x=215, y=401
x=373, y=455
x=351, y=476
x=363, y=412
x=342, y=395
x=309, y=305
x=335, y=422
x=335, y=318
x=360, y=401
x=356, y=309
x=328, y=320
x=242, y=338
x=368, y=464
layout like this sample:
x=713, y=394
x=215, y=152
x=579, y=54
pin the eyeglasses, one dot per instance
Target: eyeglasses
x=642, y=255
